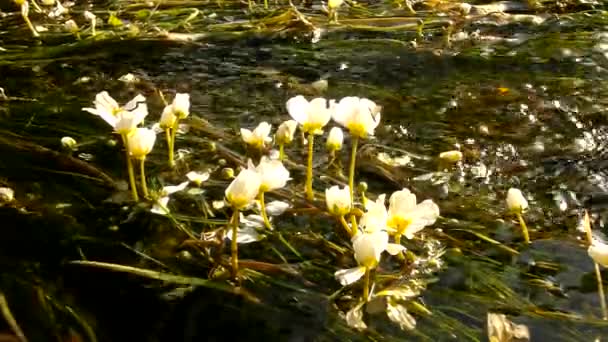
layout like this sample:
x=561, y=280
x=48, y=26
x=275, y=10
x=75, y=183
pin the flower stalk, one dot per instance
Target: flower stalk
x=130, y=168
x=598, y=273
x=308, y=189
x=351, y=171
x=234, y=247
x=142, y=174
x=524, y=228
x=263, y=210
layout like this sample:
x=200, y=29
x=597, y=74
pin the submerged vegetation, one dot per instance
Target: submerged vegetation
x=242, y=189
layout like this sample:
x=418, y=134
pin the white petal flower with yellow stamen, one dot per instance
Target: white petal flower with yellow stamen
x=197, y=177
x=181, y=105
x=598, y=251
x=312, y=116
x=376, y=216
x=273, y=174
x=335, y=139
x=286, y=131
x=160, y=207
x=168, y=118
x=244, y=189
x=141, y=142
x=368, y=247
x=407, y=217
x=516, y=202
x=123, y=119
x=259, y=136
x=359, y=115
x=338, y=200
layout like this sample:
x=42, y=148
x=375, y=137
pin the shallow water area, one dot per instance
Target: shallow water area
x=518, y=87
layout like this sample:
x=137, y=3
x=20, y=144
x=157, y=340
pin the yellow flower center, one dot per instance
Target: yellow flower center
x=399, y=223
x=357, y=129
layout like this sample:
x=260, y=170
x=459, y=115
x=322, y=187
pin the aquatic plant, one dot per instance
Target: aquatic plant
x=598, y=251
x=124, y=120
x=240, y=194
x=406, y=217
x=334, y=142
x=517, y=204
x=178, y=110
x=259, y=137
x=284, y=135
x=140, y=142
x=338, y=204
x=312, y=116
x=361, y=117
x=273, y=176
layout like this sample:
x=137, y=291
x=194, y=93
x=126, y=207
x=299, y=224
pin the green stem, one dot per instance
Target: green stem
x=366, y=284
x=142, y=174
x=309, y=193
x=398, y=241
x=263, y=210
x=169, y=146
x=524, y=228
x=345, y=225
x=173, y=133
x=265, y=4
x=130, y=168
x=281, y=152
x=29, y=25
x=353, y=224
x=233, y=245
x=600, y=289
x=351, y=171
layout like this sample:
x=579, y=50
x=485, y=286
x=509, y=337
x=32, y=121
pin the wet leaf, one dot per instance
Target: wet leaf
x=398, y=314
x=354, y=317
x=500, y=329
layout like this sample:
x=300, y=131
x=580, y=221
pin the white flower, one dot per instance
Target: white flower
x=313, y=115
x=123, y=119
x=259, y=137
x=141, y=142
x=376, y=216
x=197, y=177
x=451, y=156
x=516, y=202
x=181, y=105
x=598, y=251
x=286, y=131
x=160, y=207
x=359, y=115
x=338, y=200
x=406, y=217
x=168, y=118
x=335, y=139
x=334, y=3
x=244, y=189
x=273, y=174
x=368, y=247
x=68, y=142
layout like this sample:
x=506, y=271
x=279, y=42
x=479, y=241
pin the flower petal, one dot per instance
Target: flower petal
x=160, y=207
x=174, y=188
x=349, y=276
x=394, y=248
x=276, y=208
x=298, y=108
